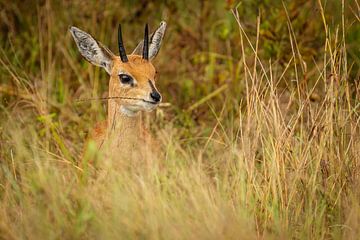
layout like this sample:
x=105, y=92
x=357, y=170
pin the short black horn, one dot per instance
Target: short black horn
x=146, y=43
x=122, y=51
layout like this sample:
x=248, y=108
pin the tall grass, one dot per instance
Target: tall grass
x=263, y=148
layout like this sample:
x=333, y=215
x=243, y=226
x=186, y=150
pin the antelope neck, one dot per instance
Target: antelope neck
x=122, y=125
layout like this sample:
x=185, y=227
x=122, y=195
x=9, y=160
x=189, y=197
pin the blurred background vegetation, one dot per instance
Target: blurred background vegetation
x=208, y=70
x=200, y=54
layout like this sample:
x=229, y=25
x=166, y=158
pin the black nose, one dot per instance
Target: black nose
x=155, y=96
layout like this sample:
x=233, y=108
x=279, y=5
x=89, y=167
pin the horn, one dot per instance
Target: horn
x=122, y=51
x=146, y=43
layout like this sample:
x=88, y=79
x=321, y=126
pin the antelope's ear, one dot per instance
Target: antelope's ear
x=92, y=50
x=155, y=42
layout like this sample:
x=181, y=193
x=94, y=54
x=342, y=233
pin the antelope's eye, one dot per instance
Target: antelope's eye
x=125, y=79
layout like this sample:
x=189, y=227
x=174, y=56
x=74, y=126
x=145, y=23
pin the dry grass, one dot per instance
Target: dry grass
x=271, y=152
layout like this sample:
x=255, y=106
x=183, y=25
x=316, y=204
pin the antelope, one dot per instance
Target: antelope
x=132, y=89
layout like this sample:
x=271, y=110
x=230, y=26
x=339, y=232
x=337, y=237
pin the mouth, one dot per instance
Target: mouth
x=136, y=99
x=141, y=104
x=151, y=102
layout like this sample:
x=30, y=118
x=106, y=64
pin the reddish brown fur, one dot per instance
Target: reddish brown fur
x=127, y=134
x=131, y=91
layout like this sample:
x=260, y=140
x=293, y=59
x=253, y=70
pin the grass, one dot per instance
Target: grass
x=260, y=136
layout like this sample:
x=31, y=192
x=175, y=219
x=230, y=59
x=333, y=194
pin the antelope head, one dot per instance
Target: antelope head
x=132, y=77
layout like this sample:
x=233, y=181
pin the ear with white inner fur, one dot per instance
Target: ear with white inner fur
x=155, y=42
x=92, y=50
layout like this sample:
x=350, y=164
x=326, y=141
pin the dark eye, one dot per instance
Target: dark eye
x=125, y=79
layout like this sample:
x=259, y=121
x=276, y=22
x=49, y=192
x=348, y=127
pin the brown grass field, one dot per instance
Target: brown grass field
x=259, y=134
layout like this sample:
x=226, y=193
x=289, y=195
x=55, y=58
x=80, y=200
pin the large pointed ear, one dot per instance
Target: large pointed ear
x=155, y=42
x=92, y=50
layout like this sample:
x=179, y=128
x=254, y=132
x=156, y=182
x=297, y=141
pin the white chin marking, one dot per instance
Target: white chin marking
x=128, y=112
x=150, y=109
